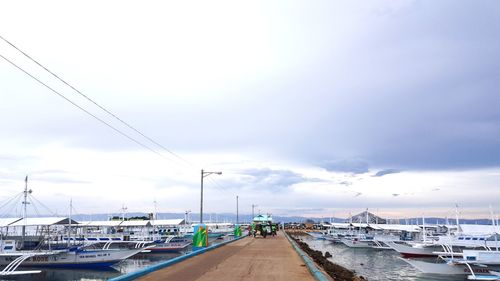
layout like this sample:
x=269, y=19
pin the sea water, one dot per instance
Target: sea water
x=375, y=265
x=129, y=265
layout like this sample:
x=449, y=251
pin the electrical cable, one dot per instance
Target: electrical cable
x=83, y=109
x=95, y=103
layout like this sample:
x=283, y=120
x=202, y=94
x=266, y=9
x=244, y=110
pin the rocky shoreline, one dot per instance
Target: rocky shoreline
x=337, y=272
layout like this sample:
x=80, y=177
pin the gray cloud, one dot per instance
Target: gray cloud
x=346, y=183
x=355, y=86
x=386, y=172
x=355, y=166
x=274, y=179
x=422, y=96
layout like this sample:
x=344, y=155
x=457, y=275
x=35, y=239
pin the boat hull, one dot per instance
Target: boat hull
x=448, y=269
x=412, y=252
x=356, y=243
x=74, y=259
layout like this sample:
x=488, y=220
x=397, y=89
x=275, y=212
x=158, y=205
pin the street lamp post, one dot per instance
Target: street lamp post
x=237, y=212
x=253, y=207
x=203, y=175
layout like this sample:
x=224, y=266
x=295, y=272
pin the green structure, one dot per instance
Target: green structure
x=237, y=230
x=200, y=237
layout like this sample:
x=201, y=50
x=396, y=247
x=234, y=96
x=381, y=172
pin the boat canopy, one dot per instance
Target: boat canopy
x=144, y=223
x=44, y=221
x=340, y=225
x=8, y=221
x=396, y=227
x=212, y=224
x=168, y=222
x=262, y=218
x=100, y=223
x=478, y=229
x=388, y=227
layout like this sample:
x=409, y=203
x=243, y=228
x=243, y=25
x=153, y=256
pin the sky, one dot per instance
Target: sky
x=320, y=108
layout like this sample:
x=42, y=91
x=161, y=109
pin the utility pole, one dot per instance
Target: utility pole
x=237, y=214
x=201, y=197
x=203, y=175
x=253, y=213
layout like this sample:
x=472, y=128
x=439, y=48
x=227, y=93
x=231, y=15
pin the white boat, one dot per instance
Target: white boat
x=358, y=241
x=477, y=264
x=172, y=244
x=415, y=250
x=316, y=235
x=69, y=258
x=443, y=268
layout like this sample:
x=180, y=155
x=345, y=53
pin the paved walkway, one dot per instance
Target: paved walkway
x=272, y=258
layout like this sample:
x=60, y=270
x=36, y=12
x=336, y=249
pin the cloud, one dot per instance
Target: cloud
x=386, y=172
x=422, y=97
x=355, y=166
x=274, y=178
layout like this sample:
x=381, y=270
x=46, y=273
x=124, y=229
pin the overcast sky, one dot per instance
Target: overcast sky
x=308, y=108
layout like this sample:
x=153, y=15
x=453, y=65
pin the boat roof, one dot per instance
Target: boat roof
x=263, y=218
x=8, y=221
x=43, y=221
x=100, y=223
x=340, y=225
x=168, y=222
x=396, y=227
x=475, y=229
x=219, y=224
x=147, y=223
x=136, y=223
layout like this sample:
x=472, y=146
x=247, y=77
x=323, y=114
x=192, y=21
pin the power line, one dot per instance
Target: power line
x=99, y=106
x=95, y=103
x=83, y=109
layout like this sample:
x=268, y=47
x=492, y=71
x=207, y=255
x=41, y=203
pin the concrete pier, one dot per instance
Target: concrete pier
x=272, y=258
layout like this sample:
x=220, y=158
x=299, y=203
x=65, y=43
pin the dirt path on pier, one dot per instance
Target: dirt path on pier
x=272, y=258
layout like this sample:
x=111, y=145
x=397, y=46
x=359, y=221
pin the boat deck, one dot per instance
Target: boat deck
x=272, y=258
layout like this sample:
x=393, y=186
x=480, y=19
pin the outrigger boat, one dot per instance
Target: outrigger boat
x=40, y=244
x=481, y=265
x=171, y=244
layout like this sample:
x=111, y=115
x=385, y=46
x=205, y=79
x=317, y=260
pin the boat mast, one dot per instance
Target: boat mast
x=423, y=228
x=25, y=204
x=495, y=227
x=155, y=217
x=69, y=224
x=124, y=210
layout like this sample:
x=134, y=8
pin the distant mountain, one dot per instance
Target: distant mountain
x=366, y=217
x=228, y=217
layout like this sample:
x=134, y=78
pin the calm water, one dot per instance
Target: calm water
x=376, y=265
x=137, y=262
